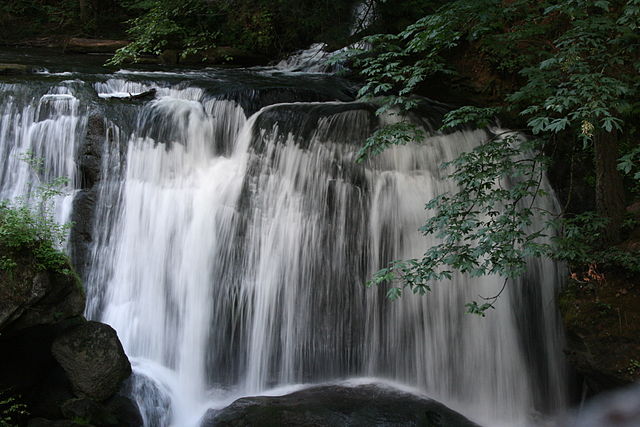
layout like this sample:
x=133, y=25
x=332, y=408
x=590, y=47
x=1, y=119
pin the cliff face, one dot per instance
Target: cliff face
x=601, y=312
x=52, y=359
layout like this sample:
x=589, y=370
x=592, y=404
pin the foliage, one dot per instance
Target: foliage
x=578, y=62
x=485, y=227
x=28, y=224
x=11, y=410
x=38, y=18
x=186, y=23
x=399, y=133
x=265, y=27
x=578, y=243
x=629, y=165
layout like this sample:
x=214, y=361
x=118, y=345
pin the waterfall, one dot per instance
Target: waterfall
x=39, y=137
x=230, y=246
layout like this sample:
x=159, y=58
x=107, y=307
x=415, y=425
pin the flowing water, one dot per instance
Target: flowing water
x=229, y=232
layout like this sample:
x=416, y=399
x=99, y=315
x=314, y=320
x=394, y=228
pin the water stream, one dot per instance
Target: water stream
x=232, y=231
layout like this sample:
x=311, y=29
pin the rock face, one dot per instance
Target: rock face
x=29, y=297
x=50, y=355
x=336, y=405
x=82, y=217
x=93, y=358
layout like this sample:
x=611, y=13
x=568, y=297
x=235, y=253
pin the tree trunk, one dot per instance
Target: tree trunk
x=84, y=16
x=610, y=202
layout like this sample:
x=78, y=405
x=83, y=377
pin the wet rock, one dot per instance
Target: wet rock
x=301, y=121
x=81, y=236
x=335, y=405
x=84, y=203
x=30, y=297
x=147, y=95
x=50, y=353
x=90, y=155
x=126, y=411
x=93, y=358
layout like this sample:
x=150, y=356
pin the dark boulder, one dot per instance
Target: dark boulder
x=336, y=405
x=126, y=411
x=89, y=411
x=50, y=354
x=116, y=412
x=31, y=297
x=93, y=358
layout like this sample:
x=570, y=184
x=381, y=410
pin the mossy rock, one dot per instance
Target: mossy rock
x=30, y=296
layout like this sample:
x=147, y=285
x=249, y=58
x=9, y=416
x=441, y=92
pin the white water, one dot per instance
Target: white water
x=229, y=254
x=39, y=139
x=311, y=60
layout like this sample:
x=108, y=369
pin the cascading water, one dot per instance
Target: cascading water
x=42, y=128
x=229, y=250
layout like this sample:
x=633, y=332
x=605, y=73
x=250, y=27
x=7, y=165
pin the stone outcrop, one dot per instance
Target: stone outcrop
x=29, y=297
x=84, y=203
x=337, y=405
x=61, y=366
x=93, y=358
